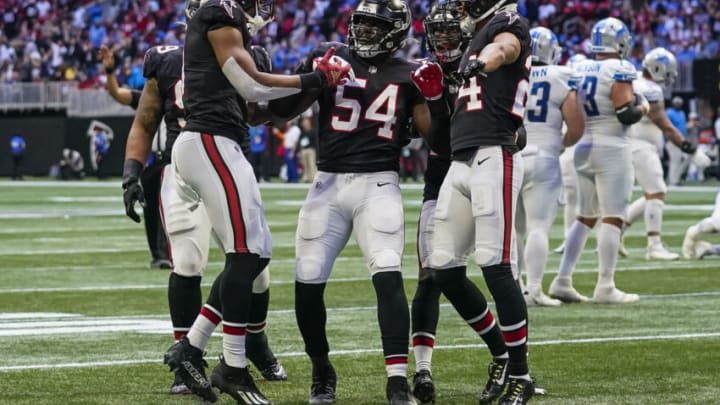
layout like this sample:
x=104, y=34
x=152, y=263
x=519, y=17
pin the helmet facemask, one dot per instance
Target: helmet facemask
x=367, y=34
x=258, y=14
x=445, y=38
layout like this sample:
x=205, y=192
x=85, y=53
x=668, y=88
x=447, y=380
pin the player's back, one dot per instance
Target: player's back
x=489, y=110
x=601, y=123
x=165, y=64
x=645, y=130
x=212, y=104
x=363, y=124
x=549, y=86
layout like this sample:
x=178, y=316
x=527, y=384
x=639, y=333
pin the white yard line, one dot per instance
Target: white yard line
x=368, y=351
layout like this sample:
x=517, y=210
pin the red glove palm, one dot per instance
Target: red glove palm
x=428, y=78
x=334, y=71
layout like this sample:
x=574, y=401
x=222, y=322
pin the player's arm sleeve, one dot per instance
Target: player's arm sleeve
x=135, y=100
x=285, y=108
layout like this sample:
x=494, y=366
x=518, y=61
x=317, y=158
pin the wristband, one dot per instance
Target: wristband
x=688, y=148
x=131, y=171
x=110, y=70
x=438, y=107
x=314, y=80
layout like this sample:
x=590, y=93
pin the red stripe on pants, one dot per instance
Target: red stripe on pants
x=507, y=203
x=231, y=193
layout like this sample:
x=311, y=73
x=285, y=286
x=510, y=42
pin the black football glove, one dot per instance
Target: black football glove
x=132, y=189
x=472, y=69
x=262, y=59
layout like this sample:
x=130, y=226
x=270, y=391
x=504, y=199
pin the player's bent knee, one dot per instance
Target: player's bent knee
x=188, y=257
x=440, y=259
x=485, y=256
x=385, y=260
x=309, y=270
x=262, y=281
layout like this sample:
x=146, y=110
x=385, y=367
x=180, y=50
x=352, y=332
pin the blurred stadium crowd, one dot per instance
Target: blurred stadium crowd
x=58, y=39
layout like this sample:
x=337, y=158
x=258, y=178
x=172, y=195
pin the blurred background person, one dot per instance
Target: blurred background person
x=678, y=159
x=17, y=149
x=308, y=146
x=72, y=165
x=290, y=143
x=258, y=143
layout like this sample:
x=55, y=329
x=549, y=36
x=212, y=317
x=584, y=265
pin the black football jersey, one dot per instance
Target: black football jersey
x=164, y=64
x=488, y=110
x=363, y=124
x=212, y=105
x=438, y=165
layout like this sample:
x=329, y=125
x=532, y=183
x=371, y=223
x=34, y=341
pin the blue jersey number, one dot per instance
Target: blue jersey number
x=589, y=87
x=541, y=93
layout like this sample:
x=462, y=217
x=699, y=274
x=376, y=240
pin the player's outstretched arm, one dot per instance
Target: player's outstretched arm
x=119, y=94
x=574, y=119
x=504, y=50
x=255, y=86
x=659, y=117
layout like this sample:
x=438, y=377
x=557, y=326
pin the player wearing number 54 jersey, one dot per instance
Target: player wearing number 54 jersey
x=476, y=205
x=362, y=130
x=603, y=160
x=552, y=101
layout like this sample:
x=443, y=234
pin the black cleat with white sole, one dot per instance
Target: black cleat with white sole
x=497, y=379
x=397, y=391
x=238, y=383
x=423, y=387
x=187, y=362
x=324, y=382
x=519, y=392
x=259, y=353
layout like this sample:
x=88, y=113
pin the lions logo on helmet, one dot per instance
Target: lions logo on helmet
x=611, y=35
x=661, y=65
x=445, y=39
x=545, y=48
x=379, y=26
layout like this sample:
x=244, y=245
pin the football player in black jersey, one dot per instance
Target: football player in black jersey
x=188, y=229
x=484, y=180
x=219, y=77
x=156, y=238
x=362, y=130
x=446, y=42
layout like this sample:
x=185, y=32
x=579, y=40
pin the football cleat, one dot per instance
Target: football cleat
x=178, y=387
x=188, y=364
x=259, y=353
x=560, y=249
x=611, y=295
x=238, y=383
x=539, y=299
x=622, y=251
x=688, y=246
x=423, y=387
x=162, y=264
x=497, y=379
x=397, y=391
x=519, y=392
x=561, y=288
x=322, y=390
x=658, y=252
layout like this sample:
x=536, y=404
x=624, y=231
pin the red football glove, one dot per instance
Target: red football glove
x=428, y=78
x=334, y=71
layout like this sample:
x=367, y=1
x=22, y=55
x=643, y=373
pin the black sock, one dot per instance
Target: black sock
x=472, y=306
x=425, y=309
x=236, y=286
x=393, y=314
x=214, y=298
x=311, y=318
x=511, y=310
x=185, y=301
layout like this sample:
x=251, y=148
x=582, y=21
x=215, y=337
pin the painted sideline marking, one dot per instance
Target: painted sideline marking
x=368, y=351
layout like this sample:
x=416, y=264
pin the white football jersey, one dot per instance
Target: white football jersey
x=549, y=86
x=646, y=130
x=601, y=124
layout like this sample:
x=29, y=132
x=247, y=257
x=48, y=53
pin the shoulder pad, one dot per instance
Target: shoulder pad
x=622, y=71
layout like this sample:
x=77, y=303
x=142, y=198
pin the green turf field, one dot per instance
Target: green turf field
x=83, y=321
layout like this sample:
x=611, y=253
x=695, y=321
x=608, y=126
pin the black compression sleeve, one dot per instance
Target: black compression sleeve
x=628, y=114
x=135, y=99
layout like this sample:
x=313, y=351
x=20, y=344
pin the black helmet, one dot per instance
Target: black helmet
x=474, y=11
x=264, y=11
x=445, y=39
x=379, y=26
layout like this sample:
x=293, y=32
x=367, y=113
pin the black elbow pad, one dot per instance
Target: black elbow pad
x=628, y=114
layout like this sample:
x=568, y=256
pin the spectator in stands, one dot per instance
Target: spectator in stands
x=17, y=149
x=258, y=141
x=290, y=143
x=72, y=165
x=102, y=147
x=678, y=159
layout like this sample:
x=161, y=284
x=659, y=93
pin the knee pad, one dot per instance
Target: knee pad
x=188, y=258
x=384, y=260
x=310, y=270
x=440, y=259
x=262, y=281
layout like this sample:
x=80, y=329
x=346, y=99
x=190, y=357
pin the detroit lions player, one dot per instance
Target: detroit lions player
x=552, y=100
x=659, y=70
x=603, y=160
